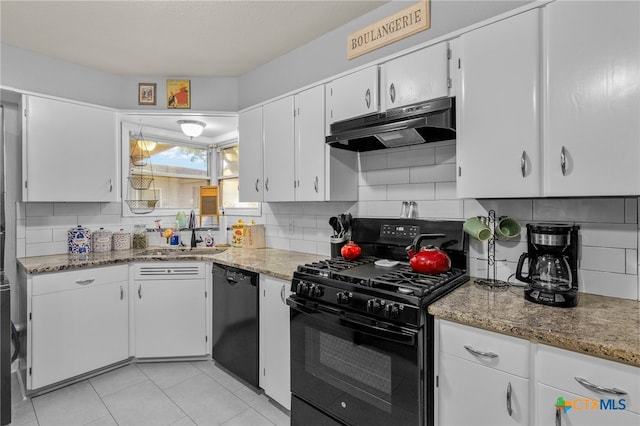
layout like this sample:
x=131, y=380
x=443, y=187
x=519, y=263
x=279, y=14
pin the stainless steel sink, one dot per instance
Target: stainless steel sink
x=180, y=251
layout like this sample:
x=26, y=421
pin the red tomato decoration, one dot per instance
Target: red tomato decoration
x=351, y=251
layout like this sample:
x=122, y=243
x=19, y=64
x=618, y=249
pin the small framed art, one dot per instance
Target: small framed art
x=146, y=93
x=178, y=94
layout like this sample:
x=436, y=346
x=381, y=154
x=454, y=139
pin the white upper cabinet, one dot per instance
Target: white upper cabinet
x=592, y=98
x=353, y=95
x=498, y=112
x=70, y=151
x=310, y=145
x=251, y=184
x=416, y=77
x=279, y=157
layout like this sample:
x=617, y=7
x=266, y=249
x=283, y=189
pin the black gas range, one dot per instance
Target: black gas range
x=361, y=337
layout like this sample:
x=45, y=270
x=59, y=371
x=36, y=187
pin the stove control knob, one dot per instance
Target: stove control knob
x=316, y=291
x=391, y=310
x=343, y=297
x=373, y=305
x=302, y=288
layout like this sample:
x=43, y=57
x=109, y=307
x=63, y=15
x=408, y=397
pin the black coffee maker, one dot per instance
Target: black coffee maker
x=552, y=250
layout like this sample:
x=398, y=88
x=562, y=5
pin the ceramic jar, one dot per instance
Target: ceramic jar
x=79, y=240
x=101, y=240
x=121, y=240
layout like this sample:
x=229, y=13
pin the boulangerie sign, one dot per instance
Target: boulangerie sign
x=402, y=24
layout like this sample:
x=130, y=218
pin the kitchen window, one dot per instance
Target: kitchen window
x=228, y=159
x=178, y=170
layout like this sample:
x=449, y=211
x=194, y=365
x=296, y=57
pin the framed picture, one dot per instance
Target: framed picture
x=178, y=94
x=146, y=93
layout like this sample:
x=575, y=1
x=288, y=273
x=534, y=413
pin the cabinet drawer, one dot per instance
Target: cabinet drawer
x=559, y=368
x=71, y=280
x=505, y=353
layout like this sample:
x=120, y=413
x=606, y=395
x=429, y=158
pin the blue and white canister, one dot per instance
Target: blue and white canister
x=79, y=240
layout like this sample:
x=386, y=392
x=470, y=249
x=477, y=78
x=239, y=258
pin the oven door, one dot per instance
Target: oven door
x=357, y=370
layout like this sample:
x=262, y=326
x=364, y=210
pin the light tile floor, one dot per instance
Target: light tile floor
x=155, y=394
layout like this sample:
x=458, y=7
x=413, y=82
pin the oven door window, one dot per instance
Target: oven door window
x=360, y=372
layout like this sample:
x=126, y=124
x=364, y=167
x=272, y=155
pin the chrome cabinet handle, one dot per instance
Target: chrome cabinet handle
x=316, y=184
x=509, y=410
x=140, y=291
x=558, y=418
x=121, y=293
x=392, y=93
x=367, y=98
x=110, y=185
x=257, y=181
x=478, y=353
x=85, y=282
x=563, y=161
x=523, y=163
x=282, y=294
x=266, y=185
x=599, y=389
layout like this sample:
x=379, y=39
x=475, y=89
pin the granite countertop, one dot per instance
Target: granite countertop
x=601, y=326
x=277, y=263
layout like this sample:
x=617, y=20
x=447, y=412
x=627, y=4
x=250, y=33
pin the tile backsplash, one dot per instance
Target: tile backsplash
x=426, y=174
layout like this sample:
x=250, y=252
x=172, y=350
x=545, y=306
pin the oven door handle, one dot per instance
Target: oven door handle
x=340, y=318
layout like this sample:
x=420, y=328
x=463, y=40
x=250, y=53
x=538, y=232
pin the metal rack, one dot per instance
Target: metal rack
x=491, y=281
x=141, y=179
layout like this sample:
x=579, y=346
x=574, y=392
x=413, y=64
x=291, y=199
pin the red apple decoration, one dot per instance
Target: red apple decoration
x=351, y=251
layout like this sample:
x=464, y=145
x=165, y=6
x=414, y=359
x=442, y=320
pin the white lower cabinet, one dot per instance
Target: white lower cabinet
x=481, y=374
x=483, y=378
x=78, y=322
x=275, y=356
x=170, y=310
x=598, y=392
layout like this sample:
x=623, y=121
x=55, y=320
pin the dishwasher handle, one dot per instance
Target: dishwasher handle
x=235, y=277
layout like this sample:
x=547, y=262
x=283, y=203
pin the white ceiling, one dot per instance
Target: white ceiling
x=222, y=38
x=215, y=38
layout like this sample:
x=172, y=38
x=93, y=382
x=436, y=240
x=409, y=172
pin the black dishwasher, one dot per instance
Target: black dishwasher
x=235, y=321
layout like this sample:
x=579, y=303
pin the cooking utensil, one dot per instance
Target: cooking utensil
x=429, y=260
x=333, y=222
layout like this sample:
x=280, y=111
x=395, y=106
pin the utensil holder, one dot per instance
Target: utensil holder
x=336, y=246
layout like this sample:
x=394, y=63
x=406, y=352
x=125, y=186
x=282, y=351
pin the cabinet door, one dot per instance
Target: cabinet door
x=70, y=151
x=582, y=412
x=353, y=95
x=275, y=356
x=170, y=318
x=310, y=145
x=251, y=185
x=498, y=140
x=592, y=98
x=416, y=77
x=279, y=154
x=73, y=332
x=490, y=397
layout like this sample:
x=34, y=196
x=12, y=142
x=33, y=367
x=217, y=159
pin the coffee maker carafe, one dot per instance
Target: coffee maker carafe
x=552, y=250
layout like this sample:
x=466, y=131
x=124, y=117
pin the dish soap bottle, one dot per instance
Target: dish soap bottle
x=208, y=239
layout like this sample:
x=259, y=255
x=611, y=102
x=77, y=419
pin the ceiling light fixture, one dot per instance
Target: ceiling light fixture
x=191, y=128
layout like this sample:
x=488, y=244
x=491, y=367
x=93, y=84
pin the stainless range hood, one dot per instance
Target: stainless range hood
x=415, y=124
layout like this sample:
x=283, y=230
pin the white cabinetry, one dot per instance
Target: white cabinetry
x=498, y=109
x=251, y=185
x=279, y=156
x=275, y=364
x=616, y=402
x=170, y=309
x=70, y=151
x=352, y=95
x=298, y=165
x=488, y=371
x=592, y=98
x=78, y=322
x=416, y=77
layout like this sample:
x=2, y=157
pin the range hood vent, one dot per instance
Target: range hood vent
x=411, y=125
